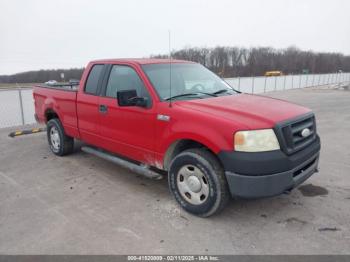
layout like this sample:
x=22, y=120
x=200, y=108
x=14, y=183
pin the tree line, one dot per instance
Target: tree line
x=42, y=76
x=235, y=61
x=225, y=61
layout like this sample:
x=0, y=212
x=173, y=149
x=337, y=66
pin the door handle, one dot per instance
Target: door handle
x=103, y=109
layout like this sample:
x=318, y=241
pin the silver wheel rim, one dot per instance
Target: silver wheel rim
x=193, y=185
x=55, y=138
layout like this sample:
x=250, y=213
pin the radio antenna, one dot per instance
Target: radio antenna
x=170, y=69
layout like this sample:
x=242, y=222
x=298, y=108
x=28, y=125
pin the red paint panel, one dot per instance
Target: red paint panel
x=136, y=132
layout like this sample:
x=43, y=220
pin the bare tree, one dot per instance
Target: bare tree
x=234, y=61
x=225, y=61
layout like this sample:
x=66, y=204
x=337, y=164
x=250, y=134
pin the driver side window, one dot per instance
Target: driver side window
x=124, y=78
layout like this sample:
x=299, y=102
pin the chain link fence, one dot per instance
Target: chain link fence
x=17, y=105
x=261, y=84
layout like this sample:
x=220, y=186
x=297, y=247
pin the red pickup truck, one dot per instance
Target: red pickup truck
x=175, y=117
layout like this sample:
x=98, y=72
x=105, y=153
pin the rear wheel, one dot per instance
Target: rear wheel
x=198, y=182
x=60, y=144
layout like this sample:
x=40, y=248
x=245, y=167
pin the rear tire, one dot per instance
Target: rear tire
x=198, y=183
x=60, y=144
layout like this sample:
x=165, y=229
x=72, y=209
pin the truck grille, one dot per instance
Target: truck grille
x=290, y=134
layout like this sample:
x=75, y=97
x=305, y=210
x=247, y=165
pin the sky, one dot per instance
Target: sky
x=48, y=34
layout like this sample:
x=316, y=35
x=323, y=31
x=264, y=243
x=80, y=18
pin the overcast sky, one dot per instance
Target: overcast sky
x=45, y=34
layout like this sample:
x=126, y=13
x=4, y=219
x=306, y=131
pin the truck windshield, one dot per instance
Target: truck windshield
x=188, y=81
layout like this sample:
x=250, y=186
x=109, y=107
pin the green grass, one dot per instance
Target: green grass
x=8, y=86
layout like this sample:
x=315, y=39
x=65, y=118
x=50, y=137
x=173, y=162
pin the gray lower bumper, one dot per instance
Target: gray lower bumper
x=246, y=186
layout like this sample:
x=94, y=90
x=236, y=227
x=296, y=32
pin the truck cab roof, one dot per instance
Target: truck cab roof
x=141, y=61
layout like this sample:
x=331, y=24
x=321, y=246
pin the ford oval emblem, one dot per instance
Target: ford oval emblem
x=305, y=132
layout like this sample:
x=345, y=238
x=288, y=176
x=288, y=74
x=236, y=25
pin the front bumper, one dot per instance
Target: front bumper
x=255, y=175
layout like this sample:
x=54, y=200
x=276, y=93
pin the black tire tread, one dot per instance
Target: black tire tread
x=219, y=171
x=67, y=146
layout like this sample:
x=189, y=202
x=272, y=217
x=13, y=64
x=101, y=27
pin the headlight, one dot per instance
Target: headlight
x=256, y=141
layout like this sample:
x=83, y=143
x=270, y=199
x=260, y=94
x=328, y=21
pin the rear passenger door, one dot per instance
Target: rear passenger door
x=88, y=105
x=127, y=130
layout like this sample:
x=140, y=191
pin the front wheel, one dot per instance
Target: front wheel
x=198, y=183
x=60, y=144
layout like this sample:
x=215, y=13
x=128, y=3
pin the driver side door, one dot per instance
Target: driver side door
x=127, y=130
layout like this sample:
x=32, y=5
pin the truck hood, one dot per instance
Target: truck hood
x=251, y=111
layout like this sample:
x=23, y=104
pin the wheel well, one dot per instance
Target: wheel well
x=50, y=114
x=180, y=146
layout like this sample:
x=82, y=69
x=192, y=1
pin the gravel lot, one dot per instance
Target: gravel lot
x=81, y=204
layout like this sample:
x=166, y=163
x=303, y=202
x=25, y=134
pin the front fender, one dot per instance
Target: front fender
x=213, y=141
x=213, y=132
x=212, y=145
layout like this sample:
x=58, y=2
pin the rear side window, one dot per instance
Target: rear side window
x=91, y=85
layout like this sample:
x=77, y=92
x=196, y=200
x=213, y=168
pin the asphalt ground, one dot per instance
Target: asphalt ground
x=80, y=204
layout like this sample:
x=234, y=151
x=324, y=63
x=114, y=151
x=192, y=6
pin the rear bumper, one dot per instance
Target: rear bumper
x=255, y=175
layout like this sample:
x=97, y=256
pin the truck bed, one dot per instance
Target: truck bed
x=60, y=99
x=64, y=87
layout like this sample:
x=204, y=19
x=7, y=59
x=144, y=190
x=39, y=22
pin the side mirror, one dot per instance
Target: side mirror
x=130, y=98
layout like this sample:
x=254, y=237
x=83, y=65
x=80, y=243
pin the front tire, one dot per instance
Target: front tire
x=60, y=144
x=198, y=183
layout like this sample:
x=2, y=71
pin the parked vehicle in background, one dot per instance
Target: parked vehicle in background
x=51, y=82
x=213, y=141
x=273, y=73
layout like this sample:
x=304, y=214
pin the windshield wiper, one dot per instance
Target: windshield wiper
x=221, y=91
x=190, y=94
x=208, y=94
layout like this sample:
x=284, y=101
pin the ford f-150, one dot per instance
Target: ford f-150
x=163, y=117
